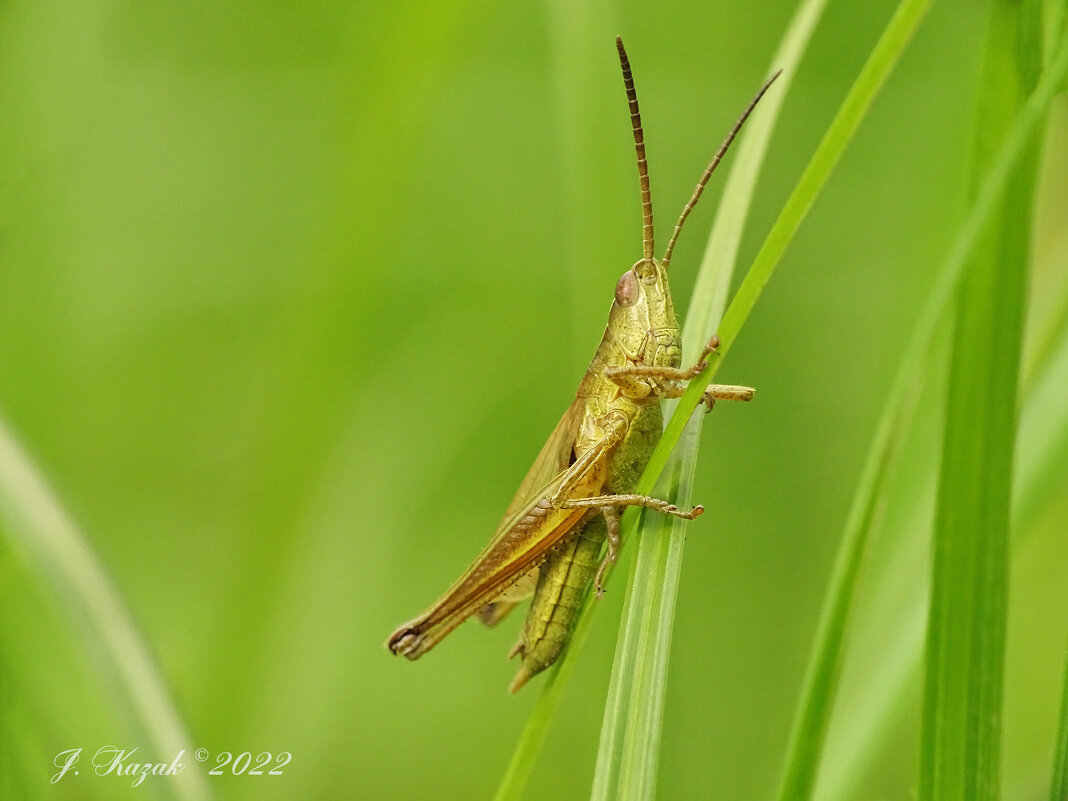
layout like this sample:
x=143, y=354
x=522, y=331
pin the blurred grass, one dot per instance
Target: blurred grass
x=1029, y=487
x=245, y=251
x=866, y=726
x=965, y=654
x=1058, y=788
x=41, y=532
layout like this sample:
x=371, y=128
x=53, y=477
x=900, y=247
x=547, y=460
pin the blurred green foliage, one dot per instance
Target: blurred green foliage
x=291, y=294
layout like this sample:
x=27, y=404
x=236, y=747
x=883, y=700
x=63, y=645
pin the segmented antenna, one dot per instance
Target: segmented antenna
x=712, y=166
x=639, y=147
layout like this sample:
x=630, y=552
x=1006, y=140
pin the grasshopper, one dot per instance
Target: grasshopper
x=568, y=505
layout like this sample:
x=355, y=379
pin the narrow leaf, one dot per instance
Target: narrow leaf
x=1058, y=790
x=961, y=733
x=871, y=78
x=840, y=133
x=1032, y=493
x=628, y=755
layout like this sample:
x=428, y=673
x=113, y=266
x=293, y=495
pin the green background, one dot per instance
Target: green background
x=291, y=294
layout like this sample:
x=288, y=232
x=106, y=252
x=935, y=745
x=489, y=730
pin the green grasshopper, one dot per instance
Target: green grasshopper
x=549, y=539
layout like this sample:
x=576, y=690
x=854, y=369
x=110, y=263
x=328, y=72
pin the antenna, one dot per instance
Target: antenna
x=712, y=166
x=639, y=147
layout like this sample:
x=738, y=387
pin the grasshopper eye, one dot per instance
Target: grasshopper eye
x=627, y=289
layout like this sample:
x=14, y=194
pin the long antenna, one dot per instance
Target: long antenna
x=712, y=166
x=639, y=147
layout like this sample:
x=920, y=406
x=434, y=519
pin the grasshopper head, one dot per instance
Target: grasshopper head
x=642, y=311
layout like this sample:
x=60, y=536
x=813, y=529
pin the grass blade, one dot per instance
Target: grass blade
x=629, y=750
x=871, y=78
x=652, y=662
x=721, y=253
x=530, y=740
x=1058, y=789
x=32, y=518
x=840, y=132
x=961, y=731
x=628, y=754
x=1046, y=414
x=705, y=309
x=810, y=728
x=807, y=737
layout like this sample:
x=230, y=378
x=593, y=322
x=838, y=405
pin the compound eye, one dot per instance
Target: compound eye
x=627, y=289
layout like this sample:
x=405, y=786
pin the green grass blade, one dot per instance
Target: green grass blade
x=871, y=78
x=628, y=754
x=532, y=737
x=1042, y=453
x=721, y=252
x=839, y=134
x=705, y=309
x=1024, y=129
x=961, y=730
x=1043, y=439
x=841, y=131
x=1044, y=422
x=1058, y=789
x=1043, y=415
x=650, y=663
x=809, y=731
x=32, y=518
x=629, y=750
x=810, y=727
